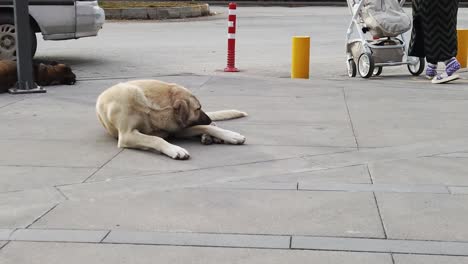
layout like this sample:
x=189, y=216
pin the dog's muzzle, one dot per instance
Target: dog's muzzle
x=203, y=120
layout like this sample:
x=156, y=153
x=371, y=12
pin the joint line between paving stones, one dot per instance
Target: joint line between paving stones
x=380, y=216
x=105, y=236
x=98, y=169
x=61, y=193
x=205, y=82
x=44, y=214
x=370, y=175
x=8, y=242
x=349, y=116
x=12, y=103
x=393, y=259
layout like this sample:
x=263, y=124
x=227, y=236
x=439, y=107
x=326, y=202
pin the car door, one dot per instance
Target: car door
x=56, y=18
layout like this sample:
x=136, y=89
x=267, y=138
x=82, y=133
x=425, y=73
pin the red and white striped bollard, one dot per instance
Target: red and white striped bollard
x=231, y=53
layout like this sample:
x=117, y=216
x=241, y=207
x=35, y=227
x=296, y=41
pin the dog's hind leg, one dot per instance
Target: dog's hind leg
x=227, y=136
x=135, y=139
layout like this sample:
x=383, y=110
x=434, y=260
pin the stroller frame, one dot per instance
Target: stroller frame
x=366, y=65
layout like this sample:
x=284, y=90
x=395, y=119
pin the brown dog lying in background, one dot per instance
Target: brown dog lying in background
x=44, y=74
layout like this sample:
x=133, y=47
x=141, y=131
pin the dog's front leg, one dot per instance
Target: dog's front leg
x=135, y=139
x=227, y=136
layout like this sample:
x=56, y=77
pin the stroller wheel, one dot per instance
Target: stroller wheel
x=377, y=71
x=366, y=65
x=417, y=66
x=351, y=68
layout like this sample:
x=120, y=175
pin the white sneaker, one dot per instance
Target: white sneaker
x=444, y=78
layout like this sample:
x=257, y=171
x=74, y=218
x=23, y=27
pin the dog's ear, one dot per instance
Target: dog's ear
x=181, y=112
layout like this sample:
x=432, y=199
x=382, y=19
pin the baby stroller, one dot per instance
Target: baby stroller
x=380, y=26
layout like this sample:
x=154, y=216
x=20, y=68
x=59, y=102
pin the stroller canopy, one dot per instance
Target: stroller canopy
x=385, y=18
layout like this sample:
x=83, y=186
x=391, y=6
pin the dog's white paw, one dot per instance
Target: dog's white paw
x=233, y=138
x=177, y=153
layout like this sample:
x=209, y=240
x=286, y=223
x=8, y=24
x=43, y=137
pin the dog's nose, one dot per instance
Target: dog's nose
x=204, y=119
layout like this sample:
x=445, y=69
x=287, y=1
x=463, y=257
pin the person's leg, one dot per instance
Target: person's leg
x=431, y=70
x=452, y=66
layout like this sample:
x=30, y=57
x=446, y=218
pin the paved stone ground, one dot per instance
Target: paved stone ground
x=335, y=170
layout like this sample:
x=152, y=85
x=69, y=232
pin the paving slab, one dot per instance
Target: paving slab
x=202, y=156
x=320, y=135
x=57, y=235
x=380, y=245
x=426, y=259
x=75, y=253
x=5, y=100
x=197, y=239
x=351, y=174
x=324, y=111
x=281, y=169
x=424, y=216
x=410, y=151
x=424, y=170
x=392, y=188
x=20, y=209
x=459, y=190
x=130, y=182
x=56, y=153
x=207, y=211
x=395, y=117
x=16, y=178
x=5, y=233
x=455, y=155
x=3, y=243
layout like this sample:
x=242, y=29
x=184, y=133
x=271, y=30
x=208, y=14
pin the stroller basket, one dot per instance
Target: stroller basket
x=390, y=54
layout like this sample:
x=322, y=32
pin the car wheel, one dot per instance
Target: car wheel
x=8, y=38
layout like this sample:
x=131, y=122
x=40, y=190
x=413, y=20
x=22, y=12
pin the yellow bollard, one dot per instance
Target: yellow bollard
x=300, y=57
x=462, y=56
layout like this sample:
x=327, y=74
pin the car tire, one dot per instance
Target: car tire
x=8, y=38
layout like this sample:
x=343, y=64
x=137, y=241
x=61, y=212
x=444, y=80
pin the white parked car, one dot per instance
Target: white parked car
x=55, y=19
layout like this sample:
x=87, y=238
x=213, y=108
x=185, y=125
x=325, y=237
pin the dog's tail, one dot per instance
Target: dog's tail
x=226, y=115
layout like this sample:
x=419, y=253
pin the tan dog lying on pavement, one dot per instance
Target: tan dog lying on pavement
x=140, y=114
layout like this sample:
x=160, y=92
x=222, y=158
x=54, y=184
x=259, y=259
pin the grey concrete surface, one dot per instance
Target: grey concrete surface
x=191, y=239
x=372, y=165
x=21, y=209
x=420, y=259
x=88, y=236
x=55, y=253
x=424, y=170
x=5, y=233
x=411, y=216
x=225, y=211
x=381, y=245
x=459, y=190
